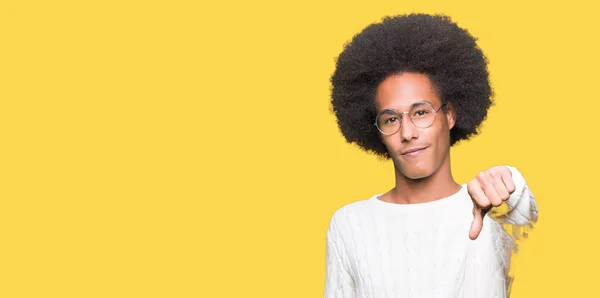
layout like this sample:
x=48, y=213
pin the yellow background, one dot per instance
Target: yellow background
x=186, y=149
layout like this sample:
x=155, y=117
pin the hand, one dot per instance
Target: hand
x=489, y=189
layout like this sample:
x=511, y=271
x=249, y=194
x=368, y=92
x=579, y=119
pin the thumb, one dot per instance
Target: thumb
x=477, y=223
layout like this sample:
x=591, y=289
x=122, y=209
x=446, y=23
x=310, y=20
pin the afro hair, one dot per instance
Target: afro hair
x=432, y=45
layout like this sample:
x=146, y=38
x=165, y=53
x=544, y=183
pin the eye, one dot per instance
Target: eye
x=420, y=113
x=390, y=120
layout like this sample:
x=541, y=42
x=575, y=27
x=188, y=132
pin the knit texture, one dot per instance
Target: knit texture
x=381, y=249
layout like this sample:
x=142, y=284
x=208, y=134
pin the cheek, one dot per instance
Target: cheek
x=438, y=137
x=391, y=142
x=442, y=143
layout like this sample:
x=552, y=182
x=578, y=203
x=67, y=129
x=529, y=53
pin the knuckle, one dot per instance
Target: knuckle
x=510, y=188
x=471, y=185
x=494, y=171
x=481, y=175
x=485, y=204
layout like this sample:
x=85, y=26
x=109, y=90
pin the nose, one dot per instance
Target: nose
x=408, y=130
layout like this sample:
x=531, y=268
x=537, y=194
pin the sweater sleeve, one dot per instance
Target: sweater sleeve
x=520, y=210
x=339, y=283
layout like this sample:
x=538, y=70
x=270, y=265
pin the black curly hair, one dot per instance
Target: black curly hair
x=432, y=45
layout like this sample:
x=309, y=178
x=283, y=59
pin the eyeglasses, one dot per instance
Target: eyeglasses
x=422, y=114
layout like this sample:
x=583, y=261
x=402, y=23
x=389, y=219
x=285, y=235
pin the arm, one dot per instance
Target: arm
x=521, y=208
x=339, y=283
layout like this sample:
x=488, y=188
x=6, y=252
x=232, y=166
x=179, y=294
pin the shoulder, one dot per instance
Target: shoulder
x=350, y=214
x=353, y=209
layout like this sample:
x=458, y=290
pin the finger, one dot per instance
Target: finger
x=499, y=185
x=506, y=176
x=487, y=183
x=477, y=223
x=478, y=195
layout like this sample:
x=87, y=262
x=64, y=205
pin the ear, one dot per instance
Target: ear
x=450, y=114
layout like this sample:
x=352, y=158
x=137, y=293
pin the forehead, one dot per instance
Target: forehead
x=400, y=91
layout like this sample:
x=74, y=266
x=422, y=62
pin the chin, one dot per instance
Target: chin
x=415, y=173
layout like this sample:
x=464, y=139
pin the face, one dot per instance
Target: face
x=399, y=92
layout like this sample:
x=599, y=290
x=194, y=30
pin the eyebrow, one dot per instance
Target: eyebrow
x=416, y=104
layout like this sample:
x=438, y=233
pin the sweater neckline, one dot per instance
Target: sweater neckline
x=449, y=200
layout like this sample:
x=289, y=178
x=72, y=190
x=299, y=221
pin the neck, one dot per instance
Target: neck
x=438, y=185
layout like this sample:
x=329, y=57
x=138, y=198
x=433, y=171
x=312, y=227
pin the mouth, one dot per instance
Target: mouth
x=413, y=151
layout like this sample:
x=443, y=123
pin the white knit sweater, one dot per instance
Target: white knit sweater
x=380, y=249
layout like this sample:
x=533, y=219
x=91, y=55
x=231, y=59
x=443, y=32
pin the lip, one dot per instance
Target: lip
x=413, y=151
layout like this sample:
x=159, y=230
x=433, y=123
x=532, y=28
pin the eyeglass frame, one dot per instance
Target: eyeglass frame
x=411, y=120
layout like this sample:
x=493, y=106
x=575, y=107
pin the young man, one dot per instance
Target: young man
x=407, y=89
